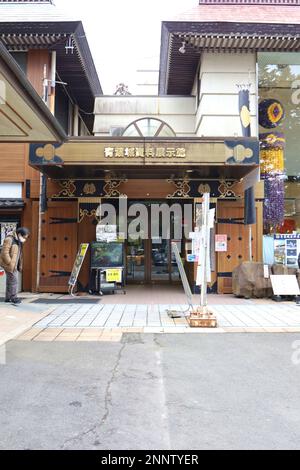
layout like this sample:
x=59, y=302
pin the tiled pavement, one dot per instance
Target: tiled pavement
x=15, y=320
x=108, y=322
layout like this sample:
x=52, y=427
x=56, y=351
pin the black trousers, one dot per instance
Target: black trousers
x=11, y=285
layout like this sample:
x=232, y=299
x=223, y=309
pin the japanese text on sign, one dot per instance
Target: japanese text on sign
x=114, y=275
x=141, y=152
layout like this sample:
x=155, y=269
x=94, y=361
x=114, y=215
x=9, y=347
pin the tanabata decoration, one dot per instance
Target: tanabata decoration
x=271, y=113
x=289, y=226
x=272, y=172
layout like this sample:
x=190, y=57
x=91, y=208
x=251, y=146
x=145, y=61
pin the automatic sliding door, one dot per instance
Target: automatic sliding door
x=160, y=260
x=136, y=261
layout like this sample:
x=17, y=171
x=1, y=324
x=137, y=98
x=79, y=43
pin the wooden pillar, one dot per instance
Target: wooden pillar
x=37, y=60
x=76, y=121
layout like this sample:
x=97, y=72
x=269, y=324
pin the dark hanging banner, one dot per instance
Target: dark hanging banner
x=44, y=201
x=244, y=109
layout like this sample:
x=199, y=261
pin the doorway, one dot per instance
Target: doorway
x=149, y=258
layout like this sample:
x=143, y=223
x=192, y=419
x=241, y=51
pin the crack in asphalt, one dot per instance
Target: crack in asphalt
x=155, y=341
x=107, y=405
x=80, y=436
x=108, y=398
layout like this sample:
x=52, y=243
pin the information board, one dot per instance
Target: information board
x=78, y=264
x=285, y=285
x=114, y=275
x=221, y=243
x=106, y=233
x=287, y=250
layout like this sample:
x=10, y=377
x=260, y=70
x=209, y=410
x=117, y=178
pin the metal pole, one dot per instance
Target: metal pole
x=250, y=243
x=38, y=268
x=205, y=228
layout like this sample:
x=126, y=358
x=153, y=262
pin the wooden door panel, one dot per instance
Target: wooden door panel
x=86, y=234
x=58, y=246
x=231, y=223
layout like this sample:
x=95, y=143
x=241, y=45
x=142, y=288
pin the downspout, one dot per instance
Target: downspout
x=53, y=82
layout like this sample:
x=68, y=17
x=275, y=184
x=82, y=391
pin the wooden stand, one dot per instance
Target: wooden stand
x=202, y=318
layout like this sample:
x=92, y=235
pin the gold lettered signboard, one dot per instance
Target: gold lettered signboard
x=129, y=151
x=133, y=152
x=148, y=151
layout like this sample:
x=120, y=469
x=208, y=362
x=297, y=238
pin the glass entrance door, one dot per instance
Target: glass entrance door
x=136, y=261
x=150, y=260
x=163, y=266
x=160, y=260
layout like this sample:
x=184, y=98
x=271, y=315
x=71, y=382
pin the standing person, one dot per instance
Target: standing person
x=11, y=259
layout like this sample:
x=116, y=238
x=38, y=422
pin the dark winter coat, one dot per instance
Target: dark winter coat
x=11, y=256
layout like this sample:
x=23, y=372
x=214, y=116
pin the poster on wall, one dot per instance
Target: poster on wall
x=221, y=244
x=287, y=250
x=7, y=228
x=106, y=233
x=196, y=245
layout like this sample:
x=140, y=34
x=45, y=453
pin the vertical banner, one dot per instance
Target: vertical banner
x=44, y=201
x=244, y=109
x=245, y=116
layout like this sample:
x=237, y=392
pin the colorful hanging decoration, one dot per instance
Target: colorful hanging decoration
x=271, y=113
x=289, y=226
x=272, y=172
x=274, y=201
x=272, y=153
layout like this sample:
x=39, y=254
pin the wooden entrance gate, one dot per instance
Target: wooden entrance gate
x=231, y=223
x=58, y=246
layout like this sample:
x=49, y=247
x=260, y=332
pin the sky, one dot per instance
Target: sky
x=123, y=34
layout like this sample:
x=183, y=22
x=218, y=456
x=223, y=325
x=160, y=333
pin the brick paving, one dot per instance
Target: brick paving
x=141, y=311
x=110, y=322
x=285, y=315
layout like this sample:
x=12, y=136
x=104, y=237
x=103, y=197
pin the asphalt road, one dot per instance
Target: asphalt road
x=161, y=392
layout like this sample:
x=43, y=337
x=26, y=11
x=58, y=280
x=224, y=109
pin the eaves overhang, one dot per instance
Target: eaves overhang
x=177, y=70
x=24, y=117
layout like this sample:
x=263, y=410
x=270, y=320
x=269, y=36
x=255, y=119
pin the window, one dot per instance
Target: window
x=149, y=127
x=279, y=79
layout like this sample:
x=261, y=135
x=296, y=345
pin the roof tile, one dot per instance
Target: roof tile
x=281, y=14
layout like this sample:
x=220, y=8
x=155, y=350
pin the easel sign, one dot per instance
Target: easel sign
x=77, y=266
x=184, y=279
x=285, y=285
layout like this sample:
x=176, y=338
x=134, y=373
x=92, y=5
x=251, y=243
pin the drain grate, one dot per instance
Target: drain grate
x=68, y=301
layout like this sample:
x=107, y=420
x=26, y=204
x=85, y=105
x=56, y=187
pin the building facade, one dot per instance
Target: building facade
x=52, y=53
x=226, y=71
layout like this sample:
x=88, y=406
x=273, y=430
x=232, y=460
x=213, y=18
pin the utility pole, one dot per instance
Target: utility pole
x=204, y=258
x=201, y=317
